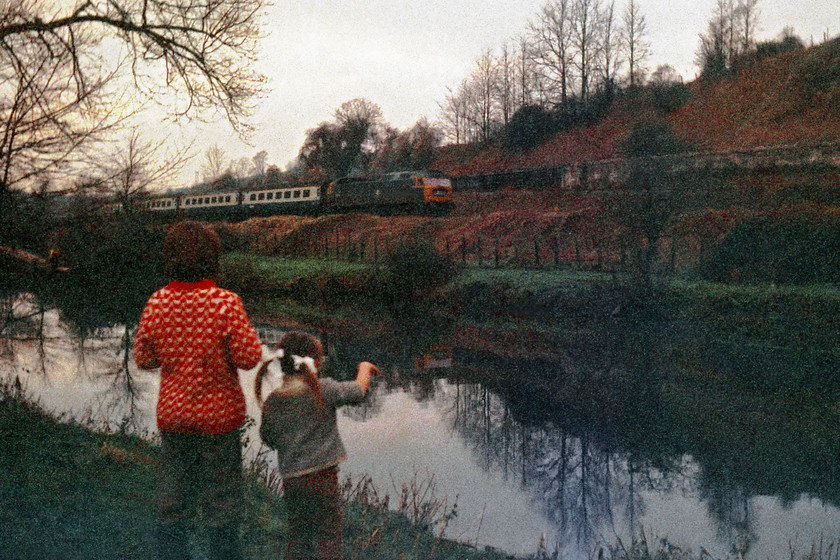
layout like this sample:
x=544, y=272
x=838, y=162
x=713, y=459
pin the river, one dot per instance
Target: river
x=493, y=435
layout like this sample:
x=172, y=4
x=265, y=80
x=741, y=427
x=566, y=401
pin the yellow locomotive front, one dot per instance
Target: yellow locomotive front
x=435, y=189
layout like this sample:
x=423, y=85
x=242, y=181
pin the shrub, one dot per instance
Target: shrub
x=669, y=96
x=414, y=270
x=798, y=248
x=528, y=127
x=114, y=267
x=651, y=138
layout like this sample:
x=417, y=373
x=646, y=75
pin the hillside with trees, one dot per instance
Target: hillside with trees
x=778, y=95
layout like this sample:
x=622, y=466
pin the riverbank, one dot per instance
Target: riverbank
x=71, y=490
x=346, y=295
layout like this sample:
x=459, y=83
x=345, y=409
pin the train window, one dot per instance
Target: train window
x=213, y=200
x=206, y=200
x=227, y=198
x=269, y=196
x=287, y=194
x=305, y=193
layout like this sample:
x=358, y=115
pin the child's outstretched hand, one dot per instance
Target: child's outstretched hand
x=365, y=372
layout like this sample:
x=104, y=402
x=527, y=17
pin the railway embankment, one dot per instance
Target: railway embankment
x=481, y=307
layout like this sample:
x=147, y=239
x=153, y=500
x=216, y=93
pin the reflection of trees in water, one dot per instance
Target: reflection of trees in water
x=123, y=399
x=102, y=354
x=729, y=505
x=589, y=490
x=22, y=320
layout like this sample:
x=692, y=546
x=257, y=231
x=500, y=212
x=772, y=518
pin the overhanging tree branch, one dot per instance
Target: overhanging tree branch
x=60, y=73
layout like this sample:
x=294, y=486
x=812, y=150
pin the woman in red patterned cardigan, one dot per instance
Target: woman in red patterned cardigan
x=198, y=335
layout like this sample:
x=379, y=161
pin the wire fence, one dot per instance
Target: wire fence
x=570, y=252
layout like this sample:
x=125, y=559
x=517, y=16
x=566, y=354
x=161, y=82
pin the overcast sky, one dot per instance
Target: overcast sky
x=403, y=55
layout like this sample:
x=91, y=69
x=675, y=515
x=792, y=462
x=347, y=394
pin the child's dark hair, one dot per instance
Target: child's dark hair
x=302, y=345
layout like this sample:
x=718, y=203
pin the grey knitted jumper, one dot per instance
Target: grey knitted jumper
x=305, y=437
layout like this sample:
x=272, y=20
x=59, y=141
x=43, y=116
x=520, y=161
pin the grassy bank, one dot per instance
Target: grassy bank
x=72, y=491
x=796, y=317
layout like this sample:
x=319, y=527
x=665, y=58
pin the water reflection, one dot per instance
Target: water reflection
x=591, y=445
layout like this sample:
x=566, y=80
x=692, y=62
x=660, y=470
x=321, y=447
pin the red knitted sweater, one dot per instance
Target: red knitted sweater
x=198, y=335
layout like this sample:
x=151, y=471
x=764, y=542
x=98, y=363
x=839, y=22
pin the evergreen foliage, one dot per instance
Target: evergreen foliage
x=792, y=248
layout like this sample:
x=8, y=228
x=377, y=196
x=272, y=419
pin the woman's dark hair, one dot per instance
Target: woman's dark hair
x=191, y=252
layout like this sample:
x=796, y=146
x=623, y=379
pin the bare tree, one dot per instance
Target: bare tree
x=731, y=33
x=585, y=29
x=240, y=168
x=453, y=115
x=47, y=114
x=410, y=149
x=506, y=83
x=552, y=46
x=609, y=45
x=360, y=126
x=57, y=57
x=748, y=14
x=483, y=105
x=138, y=166
x=214, y=162
x=259, y=161
x=526, y=73
x=636, y=46
x=347, y=145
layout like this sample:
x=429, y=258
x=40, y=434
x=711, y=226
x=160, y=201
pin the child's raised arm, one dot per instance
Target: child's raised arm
x=366, y=371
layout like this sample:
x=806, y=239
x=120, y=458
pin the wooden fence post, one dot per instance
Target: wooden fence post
x=464, y=249
x=673, y=254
